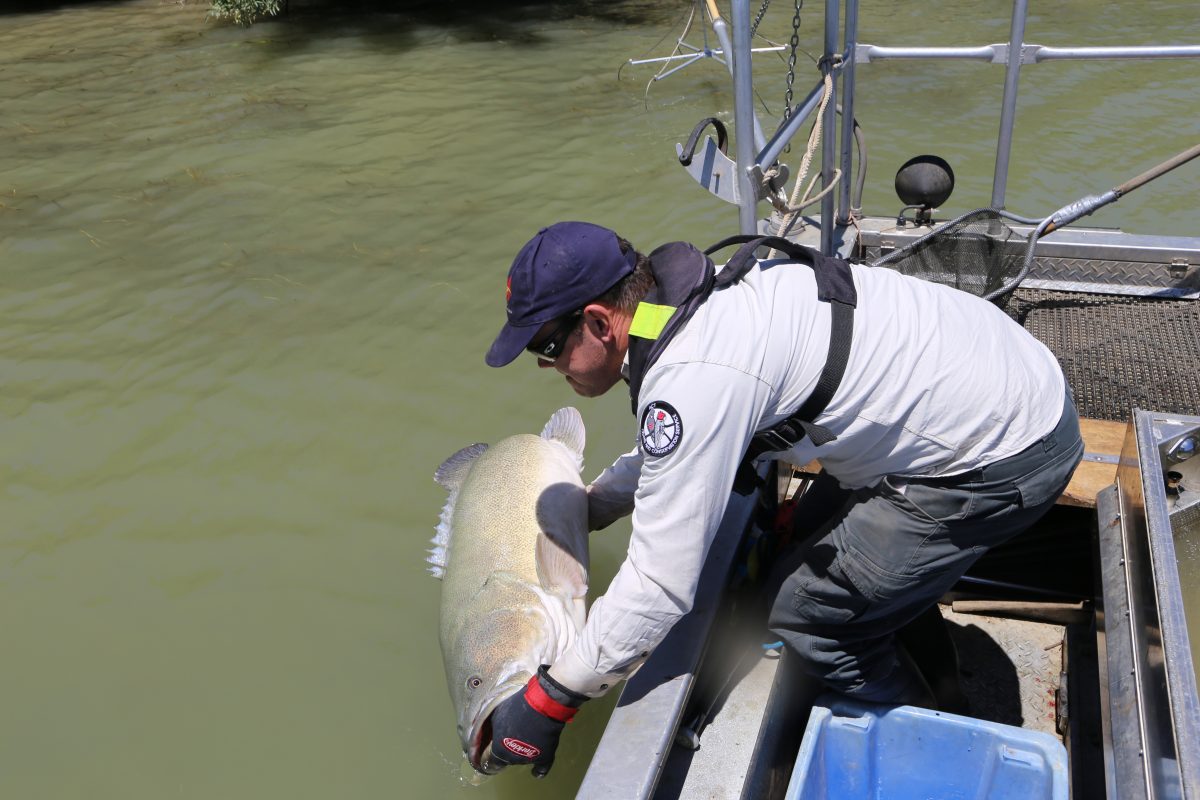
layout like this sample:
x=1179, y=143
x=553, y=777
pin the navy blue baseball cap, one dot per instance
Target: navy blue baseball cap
x=559, y=271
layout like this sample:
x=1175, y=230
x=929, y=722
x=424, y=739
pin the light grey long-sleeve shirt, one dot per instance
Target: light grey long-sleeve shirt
x=938, y=383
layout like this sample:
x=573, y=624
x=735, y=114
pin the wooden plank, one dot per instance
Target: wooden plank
x=1100, y=437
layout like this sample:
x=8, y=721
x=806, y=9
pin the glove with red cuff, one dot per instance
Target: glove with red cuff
x=526, y=726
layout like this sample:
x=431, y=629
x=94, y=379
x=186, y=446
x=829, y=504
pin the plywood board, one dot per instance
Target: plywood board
x=1100, y=437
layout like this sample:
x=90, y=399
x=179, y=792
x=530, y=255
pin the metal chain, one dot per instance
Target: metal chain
x=758, y=18
x=794, y=44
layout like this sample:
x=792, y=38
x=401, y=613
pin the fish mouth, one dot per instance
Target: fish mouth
x=479, y=744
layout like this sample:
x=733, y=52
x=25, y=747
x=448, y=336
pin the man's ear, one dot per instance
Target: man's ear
x=599, y=320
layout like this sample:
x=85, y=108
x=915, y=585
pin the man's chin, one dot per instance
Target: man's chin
x=596, y=385
x=580, y=389
x=584, y=390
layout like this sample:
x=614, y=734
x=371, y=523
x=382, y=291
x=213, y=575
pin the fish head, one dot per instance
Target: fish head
x=495, y=656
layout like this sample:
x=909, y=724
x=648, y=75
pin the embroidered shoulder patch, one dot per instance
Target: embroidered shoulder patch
x=661, y=429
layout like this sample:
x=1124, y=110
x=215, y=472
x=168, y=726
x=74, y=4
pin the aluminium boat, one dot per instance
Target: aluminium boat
x=1080, y=628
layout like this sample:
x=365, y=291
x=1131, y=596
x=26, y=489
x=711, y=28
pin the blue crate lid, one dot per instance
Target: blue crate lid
x=857, y=750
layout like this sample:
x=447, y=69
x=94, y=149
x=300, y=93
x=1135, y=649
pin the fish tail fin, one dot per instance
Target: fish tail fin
x=450, y=475
x=566, y=426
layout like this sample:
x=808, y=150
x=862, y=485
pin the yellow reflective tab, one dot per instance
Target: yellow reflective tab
x=649, y=320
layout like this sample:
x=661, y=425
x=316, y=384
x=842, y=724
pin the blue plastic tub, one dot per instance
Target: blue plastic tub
x=857, y=750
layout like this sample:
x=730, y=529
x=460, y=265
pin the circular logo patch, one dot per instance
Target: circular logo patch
x=661, y=429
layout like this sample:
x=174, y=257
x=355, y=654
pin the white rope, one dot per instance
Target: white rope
x=790, y=208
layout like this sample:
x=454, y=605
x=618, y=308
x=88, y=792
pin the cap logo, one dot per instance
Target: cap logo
x=508, y=290
x=661, y=429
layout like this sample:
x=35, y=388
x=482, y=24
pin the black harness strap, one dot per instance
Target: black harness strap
x=834, y=281
x=683, y=278
x=835, y=285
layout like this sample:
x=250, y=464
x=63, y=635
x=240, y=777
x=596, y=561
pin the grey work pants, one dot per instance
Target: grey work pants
x=884, y=555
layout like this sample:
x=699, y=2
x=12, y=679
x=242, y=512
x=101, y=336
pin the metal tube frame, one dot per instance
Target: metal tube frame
x=829, y=128
x=721, y=29
x=848, y=46
x=790, y=128
x=854, y=53
x=743, y=117
x=1030, y=53
x=1008, y=109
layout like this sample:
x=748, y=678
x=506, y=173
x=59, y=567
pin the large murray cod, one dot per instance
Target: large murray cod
x=511, y=550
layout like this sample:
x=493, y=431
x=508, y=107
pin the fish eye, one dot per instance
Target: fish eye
x=474, y=682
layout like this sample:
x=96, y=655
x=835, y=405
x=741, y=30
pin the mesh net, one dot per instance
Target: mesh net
x=977, y=253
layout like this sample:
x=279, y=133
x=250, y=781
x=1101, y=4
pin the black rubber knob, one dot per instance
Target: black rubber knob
x=925, y=181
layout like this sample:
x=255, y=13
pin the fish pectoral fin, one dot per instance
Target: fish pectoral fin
x=559, y=568
x=566, y=427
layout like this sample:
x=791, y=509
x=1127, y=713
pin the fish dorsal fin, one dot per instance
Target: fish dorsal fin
x=454, y=469
x=566, y=426
x=450, y=475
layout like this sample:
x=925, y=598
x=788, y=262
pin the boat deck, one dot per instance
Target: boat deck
x=1009, y=668
x=1012, y=653
x=1010, y=671
x=1118, y=352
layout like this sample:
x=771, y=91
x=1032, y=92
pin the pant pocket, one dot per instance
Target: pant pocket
x=824, y=597
x=1048, y=481
x=905, y=574
x=936, y=504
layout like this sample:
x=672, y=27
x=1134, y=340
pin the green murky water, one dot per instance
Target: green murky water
x=247, y=278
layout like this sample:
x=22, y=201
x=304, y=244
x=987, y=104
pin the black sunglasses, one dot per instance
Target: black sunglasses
x=552, y=346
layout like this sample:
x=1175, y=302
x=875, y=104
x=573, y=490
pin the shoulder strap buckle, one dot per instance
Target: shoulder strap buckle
x=771, y=440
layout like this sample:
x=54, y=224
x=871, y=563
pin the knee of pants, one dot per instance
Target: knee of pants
x=820, y=595
x=843, y=665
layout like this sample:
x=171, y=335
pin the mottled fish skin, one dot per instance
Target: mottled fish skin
x=511, y=551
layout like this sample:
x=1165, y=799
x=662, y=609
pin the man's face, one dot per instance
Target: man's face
x=591, y=356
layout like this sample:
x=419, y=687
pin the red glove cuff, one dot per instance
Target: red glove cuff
x=546, y=705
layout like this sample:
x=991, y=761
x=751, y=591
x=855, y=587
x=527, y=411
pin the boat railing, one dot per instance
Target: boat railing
x=839, y=63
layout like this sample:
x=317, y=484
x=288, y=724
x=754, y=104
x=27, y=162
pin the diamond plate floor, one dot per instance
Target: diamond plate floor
x=1119, y=352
